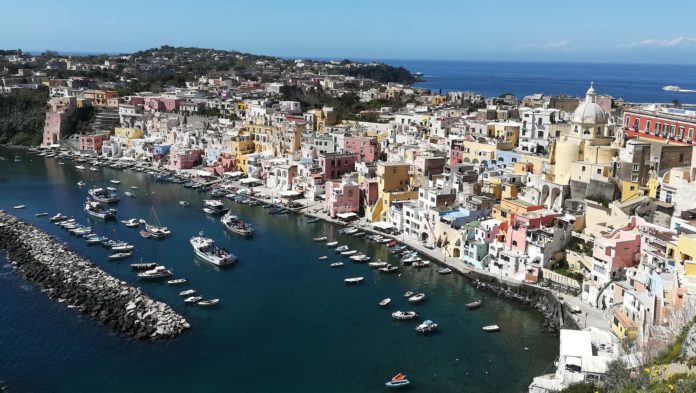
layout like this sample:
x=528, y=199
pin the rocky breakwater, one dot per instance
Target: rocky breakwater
x=538, y=299
x=71, y=279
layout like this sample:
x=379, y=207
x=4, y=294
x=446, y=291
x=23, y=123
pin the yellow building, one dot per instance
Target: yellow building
x=129, y=133
x=262, y=136
x=624, y=327
x=505, y=132
x=630, y=191
x=393, y=176
x=241, y=145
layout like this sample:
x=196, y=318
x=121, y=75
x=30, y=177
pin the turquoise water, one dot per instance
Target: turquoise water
x=286, y=321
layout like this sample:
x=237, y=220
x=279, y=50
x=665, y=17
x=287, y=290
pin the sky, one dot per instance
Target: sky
x=634, y=31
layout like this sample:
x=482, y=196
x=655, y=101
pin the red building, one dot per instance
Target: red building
x=368, y=148
x=335, y=165
x=663, y=124
x=92, y=143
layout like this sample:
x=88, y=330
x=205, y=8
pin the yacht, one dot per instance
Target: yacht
x=377, y=264
x=320, y=239
x=121, y=247
x=20, y=206
x=233, y=224
x=404, y=315
x=341, y=248
x=42, y=214
x=360, y=258
x=58, y=217
x=156, y=230
x=332, y=244
x=193, y=299
x=206, y=250
x=102, y=195
x=131, y=223
x=177, y=281
x=154, y=274
x=97, y=239
x=99, y=210
x=143, y=266
x=214, y=207
x=417, y=298
x=426, y=327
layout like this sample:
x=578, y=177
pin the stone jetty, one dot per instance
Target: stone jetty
x=79, y=283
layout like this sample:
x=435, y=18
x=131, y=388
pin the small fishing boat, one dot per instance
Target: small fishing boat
x=120, y=247
x=491, y=328
x=80, y=167
x=385, y=302
x=388, y=269
x=205, y=249
x=214, y=207
x=58, y=218
x=177, y=281
x=336, y=264
x=99, y=210
x=143, y=266
x=331, y=244
x=235, y=225
x=81, y=183
x=97, y=240
x=473, y=305
x=208, y=303
x=404, y=315
x=417, y=298
x=354, y=280
x=421, y=263
x=20, y=206
x=103, y=195
x=349, y=252
x=320, y=239
x=360, y=258
x=112, y=189
x=129, y=194
x=408, y=294
x=187, y=292
x=155, y=274
x=313, y=220
x=93, y=169
x=350, y=231
x=426, y=327
x=120, y=255
x=359, y=234
x=42, y=214
x=131, y=223
x=134, y=187
x=410, y=260
x=184, y=203
x=444, y=270
x=323, y=257
x=193, y=299
x=115, y=181
x=398, y=381
x=377, y=264
x=341, y=248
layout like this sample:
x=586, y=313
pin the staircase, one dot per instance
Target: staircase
x=377, y=210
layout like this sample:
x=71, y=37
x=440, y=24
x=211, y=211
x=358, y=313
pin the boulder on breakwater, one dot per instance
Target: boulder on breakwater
x=75, y=281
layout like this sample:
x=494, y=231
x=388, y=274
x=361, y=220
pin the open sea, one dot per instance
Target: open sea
x=632, y=82
x=286, y=321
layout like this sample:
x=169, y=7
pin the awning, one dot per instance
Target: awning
x=290, y=193
x=234, y=174
x=346, y=215
x=250, y=180
x=383, y=225
x=204, y=174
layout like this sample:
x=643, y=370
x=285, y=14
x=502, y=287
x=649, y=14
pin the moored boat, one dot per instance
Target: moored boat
x=156, y=273
x=177, y=281
x=143, y=266
x=208, y=303
x=235, y=225
x=205, y=249
x=99, y=210
x=58, y=217
x=354, y=280
x=426, y=327
x=417, y=298
x=336, y=264
x=120, y=255
x=444, y=270
x=102, y=195
x=474, y=305
x=193, y=299
x=214, y=207
x=404, y=315
x=313, y=220
x=388, y=269
x=341, y=248
x=332, y=244
x=184, y=203
x=398, y=381
x=320, y=239
x=385, y=302
x=348, y=253
x=20, y=206
x=323, y=257
x=491, y=328
x=187, y=292
x=131, y=222
x=42, y=214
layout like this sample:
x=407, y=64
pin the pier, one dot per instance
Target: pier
x=80, y=284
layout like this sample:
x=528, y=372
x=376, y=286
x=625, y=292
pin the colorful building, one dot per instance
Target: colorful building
x=342, y=196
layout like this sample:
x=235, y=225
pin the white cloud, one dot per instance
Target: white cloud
x=665, y=42
x=557, y=44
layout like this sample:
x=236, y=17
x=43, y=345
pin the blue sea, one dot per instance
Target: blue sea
x=286, y=321
x=633, y=82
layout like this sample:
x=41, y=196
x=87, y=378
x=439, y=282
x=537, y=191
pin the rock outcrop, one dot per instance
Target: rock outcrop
x=79, y=283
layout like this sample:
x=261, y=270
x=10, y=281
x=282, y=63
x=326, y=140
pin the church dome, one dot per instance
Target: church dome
x=589, y=111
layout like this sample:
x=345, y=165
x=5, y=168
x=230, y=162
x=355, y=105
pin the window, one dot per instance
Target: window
x=634, y=178
x=671, y=130
x=681, y=157
x=647, y=126
x=628, y=120
x=583, y=169
x=635, y=167
x=680, y=135
x=599, y=171
x=635, y=123
x=691, y=133
x=658, y=126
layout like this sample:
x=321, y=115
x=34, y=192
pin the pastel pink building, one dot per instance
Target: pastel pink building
x=342, y=197
x=617, y=250
x=185, y=158
x=169, y=104
x=368, y=149
x=57, y=116
x=335, y=165
x=516, y=238
x=92, y=143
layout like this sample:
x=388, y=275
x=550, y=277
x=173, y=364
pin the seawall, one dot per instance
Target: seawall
x=64, y=275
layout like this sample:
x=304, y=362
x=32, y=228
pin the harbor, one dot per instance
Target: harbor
x=279, y=303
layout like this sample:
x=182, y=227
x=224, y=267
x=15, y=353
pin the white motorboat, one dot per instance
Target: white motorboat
x=349, y=252
x=320, y=239
x=156, y=230
x=57, y=218
x=102, y=195
x=80, y=167
x=421, y=263
x=20, y=206
x=350, y=231
x=214, y=207
x=404, y=315
x=134, y=187
x=332, y=244
x=426, y=327
x=417, y=298
x=99, y=210
x=491, y=328
x=388, y=269
x=360, y=258
x=354, y=280
x=121, y=247
x=377, y=264
x=444, y=270
x=341, y=248
x=154, y=274
x=205, y=249
x=93, y=169
x=408, y=294
x=193, y=299
x=323, y=257
x=120, y=255
x=385, y=302
x=208, y=303
x=336, y=264
x=131, y=223
x=235, y=225
x=143, y=266
x=115, y=181
x=184, y=203
x=410, y=260
x=81, y=183
x=129, y=194
x=188, y=292
x=42, y=214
